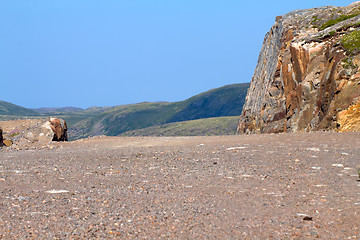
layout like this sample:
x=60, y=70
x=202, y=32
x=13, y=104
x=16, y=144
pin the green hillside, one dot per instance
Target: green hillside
x=224, y=101
x=11, y=110
x=200, y=127
x=122, y=119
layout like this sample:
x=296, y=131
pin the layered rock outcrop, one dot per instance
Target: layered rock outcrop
x=307, y=74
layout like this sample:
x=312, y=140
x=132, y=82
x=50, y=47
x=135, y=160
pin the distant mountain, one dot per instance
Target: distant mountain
x=57, y=110
x=9, y=109
x=200, y=127
x=223, y=101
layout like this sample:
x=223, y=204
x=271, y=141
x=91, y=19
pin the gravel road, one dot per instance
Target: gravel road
x=284, y=186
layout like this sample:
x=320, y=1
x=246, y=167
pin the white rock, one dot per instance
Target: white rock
x=316, y=168
x=29, y=135
x=313, y=149
x=234, y=148
x=337, y=165
x=57, y=191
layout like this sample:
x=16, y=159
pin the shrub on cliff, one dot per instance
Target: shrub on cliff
x=351, y=41
x=342, y=18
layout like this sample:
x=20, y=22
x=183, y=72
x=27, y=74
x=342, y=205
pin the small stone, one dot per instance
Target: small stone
x=8, y=142
x=21, y=198
x=307, y=218
x=316, y=168
x=29, y=135
x=313, y=149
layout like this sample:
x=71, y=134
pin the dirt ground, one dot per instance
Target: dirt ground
x=285, y=186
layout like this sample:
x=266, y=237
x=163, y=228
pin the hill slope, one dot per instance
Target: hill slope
x=200, y=127
x=9, y=109
x=223, y=101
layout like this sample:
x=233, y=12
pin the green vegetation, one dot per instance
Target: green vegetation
x=337, y=20
x=124, y=118
x=14, y=133
x=351, y=41
x=201, y=127
x=348, y=63
x=224, y=101
x=315, y=19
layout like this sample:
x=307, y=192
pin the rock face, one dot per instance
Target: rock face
x=308, y=76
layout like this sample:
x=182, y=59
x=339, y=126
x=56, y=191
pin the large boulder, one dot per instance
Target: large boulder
x=53, y=129
x=59, y=128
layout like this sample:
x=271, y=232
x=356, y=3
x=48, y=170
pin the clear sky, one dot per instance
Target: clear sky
x=86, y=53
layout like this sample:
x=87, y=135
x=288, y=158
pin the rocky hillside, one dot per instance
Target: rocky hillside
x=308, y=76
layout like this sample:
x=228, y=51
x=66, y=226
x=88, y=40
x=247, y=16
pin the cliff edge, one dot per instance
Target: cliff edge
x=308, y=76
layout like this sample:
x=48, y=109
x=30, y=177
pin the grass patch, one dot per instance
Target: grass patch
x=348, y=63
x=315, y=19
x=337, y=20
x=332, y=33
x=14, y=133
x=351, y=41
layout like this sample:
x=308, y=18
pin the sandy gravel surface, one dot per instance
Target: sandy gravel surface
x=286, y=186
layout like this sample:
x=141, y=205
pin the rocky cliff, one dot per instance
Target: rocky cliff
x=308, y=76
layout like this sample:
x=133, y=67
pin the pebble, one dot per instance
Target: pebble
x=313, y=149
x=57, y=191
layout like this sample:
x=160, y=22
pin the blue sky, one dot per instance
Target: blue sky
x=86, y=53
